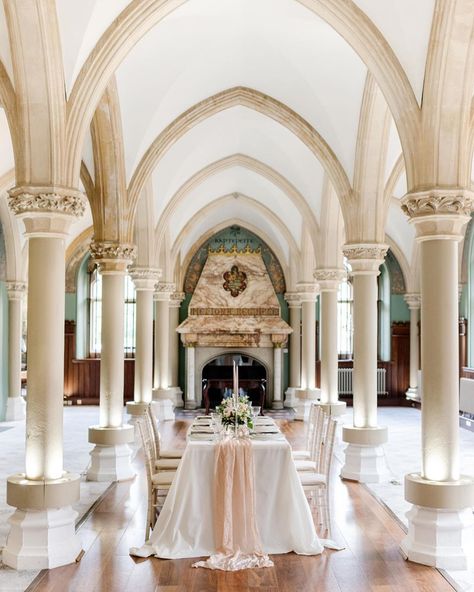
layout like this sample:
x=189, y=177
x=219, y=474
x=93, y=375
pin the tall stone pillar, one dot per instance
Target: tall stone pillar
x=144, y=280
x=440, y=520
x=364, y=455
x=414, y=304
x=307, y=393
x=15, y=402
x=164, y=397
x=328, y=281
x=294, y=305
x=42, y=529
x=190, y=401
x=277, y=402
x=175, y=304
x=111, y=456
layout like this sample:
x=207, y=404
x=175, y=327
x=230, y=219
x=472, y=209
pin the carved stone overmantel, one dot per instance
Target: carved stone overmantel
x=439, y=213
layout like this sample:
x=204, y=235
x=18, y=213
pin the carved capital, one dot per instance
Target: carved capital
x=46, y=211
x=439, y=213
x=176, y=299
x=329, y=279
x=163, y=291
x=16, y=290
x=307, y=292
x=293, y=299
x=413, y=301
x=112, y=257
x=145, y=278
x=365, y=258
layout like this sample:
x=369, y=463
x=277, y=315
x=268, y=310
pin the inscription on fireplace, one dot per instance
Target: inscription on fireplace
x=235, y=281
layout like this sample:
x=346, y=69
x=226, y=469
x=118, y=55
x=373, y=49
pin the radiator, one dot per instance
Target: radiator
x=344, y=381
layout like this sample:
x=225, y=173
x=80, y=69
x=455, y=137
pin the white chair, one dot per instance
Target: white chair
x=158, y=483
x=316, y=484
x=313, y=462
x=314, y=412
x=164, y=459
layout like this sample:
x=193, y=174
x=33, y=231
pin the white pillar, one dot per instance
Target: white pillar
x=328, y=280
x=364, y=455
x=307, y=392
x=144, y=280
x=277, y=402
x=294, y=305
x=175, y=304
x=414, y=303
x=15, y=402
x=190, y=402
x=164, y=397
x=440, y=521
x=111, y=456
x=42, y=529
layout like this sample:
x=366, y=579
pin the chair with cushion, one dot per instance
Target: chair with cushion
x=316, y=483
x=165, y=459
x=316, y=416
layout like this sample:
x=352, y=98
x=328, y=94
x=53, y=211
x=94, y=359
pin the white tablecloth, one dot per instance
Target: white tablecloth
x=185, y=525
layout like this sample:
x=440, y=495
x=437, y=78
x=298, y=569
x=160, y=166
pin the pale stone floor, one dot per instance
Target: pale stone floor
x=403, y=454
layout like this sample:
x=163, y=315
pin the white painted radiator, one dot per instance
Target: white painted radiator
x=344, y=380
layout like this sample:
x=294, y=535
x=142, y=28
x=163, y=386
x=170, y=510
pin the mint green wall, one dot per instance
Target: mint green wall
x=70, y=307
x=3, y=348
x=399, y=311
x=464, y=302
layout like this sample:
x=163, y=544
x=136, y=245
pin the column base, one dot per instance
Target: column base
x=304, y=399
x=42, y=530
x=15, y=409
x=413, y=395
x=333, y=409
x=176, y=396
x=137, y=409
x=277, y=405
x=163, y=410
x=440, y=536
x=111, y=456
x=191, y=405
x=290, y=397
x=364, y=455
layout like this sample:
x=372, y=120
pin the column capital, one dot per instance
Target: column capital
x=46, y=211
x=307, y=292
x=176, y=299
x=293, y=299
x=16, y=289
x=163, y=291
x=112, y=257
x=439, y=213
x=413, y=300
x=329, y=279
x=145, y=278
x=365, y=258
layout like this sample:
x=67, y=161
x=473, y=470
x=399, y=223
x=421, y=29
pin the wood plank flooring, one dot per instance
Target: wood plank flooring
x=371, y=561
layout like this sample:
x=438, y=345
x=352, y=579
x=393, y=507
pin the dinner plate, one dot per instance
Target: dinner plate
x=195, y=429
x=263, y=429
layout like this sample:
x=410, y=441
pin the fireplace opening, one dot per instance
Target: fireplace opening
x=217, y=379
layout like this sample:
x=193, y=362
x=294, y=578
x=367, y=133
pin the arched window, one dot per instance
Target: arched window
x=345, y=327
x=95, y=315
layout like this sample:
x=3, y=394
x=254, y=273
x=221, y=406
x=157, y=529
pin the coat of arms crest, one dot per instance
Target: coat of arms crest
x=235, y=281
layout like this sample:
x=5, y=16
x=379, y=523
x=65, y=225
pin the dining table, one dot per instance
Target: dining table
x=185, y=525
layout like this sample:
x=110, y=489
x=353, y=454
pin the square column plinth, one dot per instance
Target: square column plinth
x=364, y=455
x=111, y=455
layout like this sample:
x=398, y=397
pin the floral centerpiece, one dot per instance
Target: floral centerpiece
x=236, y=411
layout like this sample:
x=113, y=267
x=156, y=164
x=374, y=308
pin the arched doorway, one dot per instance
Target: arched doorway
x=217, y=378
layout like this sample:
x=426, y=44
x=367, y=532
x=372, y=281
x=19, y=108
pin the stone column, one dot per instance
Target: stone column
x=328, y=281
x=15, y=402
x=294, y=305
x=144, y=280
x=175, y=304
x=42, y=529
x=414, y=304
x=307, y=392
x=364, y=455
x=440, y=520
x=111, y=456
x=163, y=396
x=190, y=402
x=277, y=402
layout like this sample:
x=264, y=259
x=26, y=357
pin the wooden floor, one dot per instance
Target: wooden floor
x=371, y=561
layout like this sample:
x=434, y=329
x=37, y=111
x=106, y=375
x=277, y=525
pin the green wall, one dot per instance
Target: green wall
x=3, y=348
x=70, y=307
x=399, y=311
